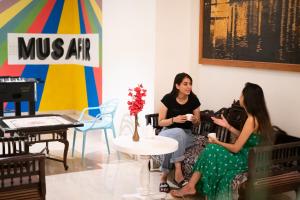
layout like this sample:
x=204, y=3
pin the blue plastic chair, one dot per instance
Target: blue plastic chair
x=104, y=120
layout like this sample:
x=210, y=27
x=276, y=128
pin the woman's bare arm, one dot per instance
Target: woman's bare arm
x=224, y=123
x=162, y=121
x=196, y=116
x=248, y=129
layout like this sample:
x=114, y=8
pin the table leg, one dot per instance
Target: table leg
x=144, y=188
x=47, y=148
x=66, y=142
x=143, y=191
x=59, y=136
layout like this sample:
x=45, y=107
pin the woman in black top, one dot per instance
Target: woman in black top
x=177, y=125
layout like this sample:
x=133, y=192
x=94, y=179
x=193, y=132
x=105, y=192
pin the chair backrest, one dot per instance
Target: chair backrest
x=206, y=124
x=13, y=146
x=126, y=125
x=111, y=101
x=109, y=107
x=235, y=115
x=274, y=160
x=21, y=174
x=280, y=136
x=152, y=119
x=23, y=177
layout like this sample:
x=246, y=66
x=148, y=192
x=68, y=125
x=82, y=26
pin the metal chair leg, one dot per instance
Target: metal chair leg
x=107, y=144
x=113, y=130
x=73, y=146
x=83, y=144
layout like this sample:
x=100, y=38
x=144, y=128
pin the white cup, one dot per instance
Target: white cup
x=212, y=135
x=189, y=117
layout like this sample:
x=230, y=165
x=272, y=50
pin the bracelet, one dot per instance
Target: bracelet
x=172, y=120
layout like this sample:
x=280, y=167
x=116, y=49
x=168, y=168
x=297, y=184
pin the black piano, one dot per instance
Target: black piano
x=17, y=89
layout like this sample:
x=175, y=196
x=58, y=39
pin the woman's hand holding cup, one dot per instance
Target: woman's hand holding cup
x=179, y=119
x=189, y=117
x=212, y=138
x=184, y=118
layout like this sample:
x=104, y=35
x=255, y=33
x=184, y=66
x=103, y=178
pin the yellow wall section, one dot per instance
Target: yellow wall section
x=65, y=87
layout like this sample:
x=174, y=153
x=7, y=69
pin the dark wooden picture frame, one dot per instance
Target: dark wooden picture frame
x=269, y=43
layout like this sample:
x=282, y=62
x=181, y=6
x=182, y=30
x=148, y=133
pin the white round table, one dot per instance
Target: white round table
x=145, y=147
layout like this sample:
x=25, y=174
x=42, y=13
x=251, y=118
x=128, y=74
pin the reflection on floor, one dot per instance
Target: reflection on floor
x=99, y=175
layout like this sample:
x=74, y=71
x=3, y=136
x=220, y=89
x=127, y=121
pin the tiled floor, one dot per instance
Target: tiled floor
x=99, y=175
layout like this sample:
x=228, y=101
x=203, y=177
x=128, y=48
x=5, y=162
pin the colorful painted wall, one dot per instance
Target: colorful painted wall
x=63, y=87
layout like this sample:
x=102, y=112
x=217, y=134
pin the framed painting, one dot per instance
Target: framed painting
x=253, y=33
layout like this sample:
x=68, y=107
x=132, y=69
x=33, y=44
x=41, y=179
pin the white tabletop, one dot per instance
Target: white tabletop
x=157, y=145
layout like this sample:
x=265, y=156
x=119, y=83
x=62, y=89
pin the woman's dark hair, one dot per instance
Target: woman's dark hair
x=254, y=102
x=177, y=80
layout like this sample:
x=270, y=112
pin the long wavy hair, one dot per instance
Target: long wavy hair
x=255, y=104
x=177, y=80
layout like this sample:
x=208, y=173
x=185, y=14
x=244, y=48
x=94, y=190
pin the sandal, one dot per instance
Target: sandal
x=164, y=187
x=181, y=183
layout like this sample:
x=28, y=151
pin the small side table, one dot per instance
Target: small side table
x=145, y=147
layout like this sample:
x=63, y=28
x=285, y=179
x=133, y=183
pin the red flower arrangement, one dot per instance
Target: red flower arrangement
x=137, y=102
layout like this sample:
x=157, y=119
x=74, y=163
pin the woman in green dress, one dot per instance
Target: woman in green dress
x=220, y=162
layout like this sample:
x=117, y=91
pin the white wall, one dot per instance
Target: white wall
x=177, y=28
x=173, y=32
x=147, y=41
x=128, y=51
